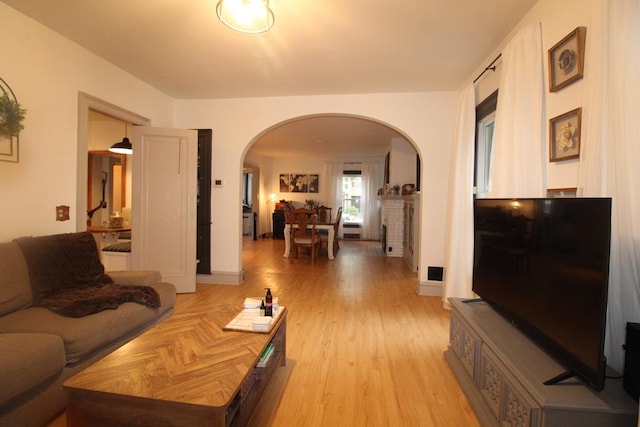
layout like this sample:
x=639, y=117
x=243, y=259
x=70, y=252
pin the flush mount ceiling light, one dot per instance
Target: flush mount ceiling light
x=245, y=16
x=124, y=146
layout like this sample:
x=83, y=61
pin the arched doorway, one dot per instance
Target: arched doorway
x=303, y=145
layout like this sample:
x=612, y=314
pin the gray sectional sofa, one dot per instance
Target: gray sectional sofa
x=59, y=313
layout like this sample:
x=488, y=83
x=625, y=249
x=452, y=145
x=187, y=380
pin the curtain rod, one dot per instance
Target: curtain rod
x=491, y=67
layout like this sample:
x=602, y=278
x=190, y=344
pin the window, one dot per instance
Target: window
x=351, y=197
x=484, y=136
x=485, y=121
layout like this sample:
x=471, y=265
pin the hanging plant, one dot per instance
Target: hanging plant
x=11, y=117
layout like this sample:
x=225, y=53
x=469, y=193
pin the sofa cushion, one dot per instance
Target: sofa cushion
x=62, y=261
x=15, y=291
x=28, y=360
x=85, y=335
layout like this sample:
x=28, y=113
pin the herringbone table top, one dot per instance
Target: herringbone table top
x=187, y=358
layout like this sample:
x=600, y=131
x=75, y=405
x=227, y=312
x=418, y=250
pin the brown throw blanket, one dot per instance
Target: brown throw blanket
x=78, y=302
x=68, y=278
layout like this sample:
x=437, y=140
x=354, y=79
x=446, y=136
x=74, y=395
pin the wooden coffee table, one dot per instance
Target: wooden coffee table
x=186, y=371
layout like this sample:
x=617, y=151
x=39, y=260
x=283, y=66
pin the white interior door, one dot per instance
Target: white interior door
x=163, y=217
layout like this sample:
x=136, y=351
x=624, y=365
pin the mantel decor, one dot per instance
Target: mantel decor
x=566, y=60
x=11, y=117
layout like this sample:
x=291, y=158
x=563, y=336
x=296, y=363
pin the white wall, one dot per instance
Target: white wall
x=402, y=163
x=424, y=118
x=46, y=72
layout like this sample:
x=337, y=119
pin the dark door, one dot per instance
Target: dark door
x=203, y=246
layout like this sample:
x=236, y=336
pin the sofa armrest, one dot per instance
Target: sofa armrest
x=135, y=277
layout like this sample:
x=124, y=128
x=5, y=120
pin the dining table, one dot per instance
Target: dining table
x=329, y=226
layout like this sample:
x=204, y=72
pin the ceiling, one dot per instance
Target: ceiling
x=326, y=136
x=315, y=47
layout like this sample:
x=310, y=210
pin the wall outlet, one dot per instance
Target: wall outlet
x=62, y=213
x=218, y=183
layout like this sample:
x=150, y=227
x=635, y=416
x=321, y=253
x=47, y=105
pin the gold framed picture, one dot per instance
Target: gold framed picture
x=562, y=192
x=566, y=59
x=564, y=136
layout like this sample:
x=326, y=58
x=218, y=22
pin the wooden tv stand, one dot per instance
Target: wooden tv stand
x=186, y=371
x=502, y=372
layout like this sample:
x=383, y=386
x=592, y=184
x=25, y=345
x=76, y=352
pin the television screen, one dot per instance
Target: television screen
x=544, y=265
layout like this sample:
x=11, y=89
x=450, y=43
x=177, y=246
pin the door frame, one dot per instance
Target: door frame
x=88, y=102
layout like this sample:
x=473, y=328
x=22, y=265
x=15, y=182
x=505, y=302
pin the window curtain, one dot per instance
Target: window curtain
x=334, y=172
x=610, y=149
x=459, y=247
x=518, y=148
x=371, y=181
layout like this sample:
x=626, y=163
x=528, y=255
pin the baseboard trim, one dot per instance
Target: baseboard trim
x=430, y=289
x=221, y=278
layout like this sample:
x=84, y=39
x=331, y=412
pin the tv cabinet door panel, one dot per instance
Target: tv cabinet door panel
x=491, y=381
x=510, y=404
x=464, y=343
x=518, y=410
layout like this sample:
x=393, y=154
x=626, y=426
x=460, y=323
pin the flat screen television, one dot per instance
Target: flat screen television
x=544, y=265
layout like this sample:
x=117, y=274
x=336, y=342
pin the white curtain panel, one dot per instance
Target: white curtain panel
x=518, y=152
x=333, y=172
x=372, y=178
x=459, y=242
x=610, y=150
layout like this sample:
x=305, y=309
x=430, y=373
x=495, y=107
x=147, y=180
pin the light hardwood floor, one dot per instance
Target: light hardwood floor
x=363, y=349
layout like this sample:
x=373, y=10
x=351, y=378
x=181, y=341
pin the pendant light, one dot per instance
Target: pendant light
x=124, y=146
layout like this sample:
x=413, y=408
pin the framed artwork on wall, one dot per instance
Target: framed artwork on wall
x=566, y=59
x=564, y=136
x=562, y=192
x=313, y=183
x=284, y=183
x=299, y=183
